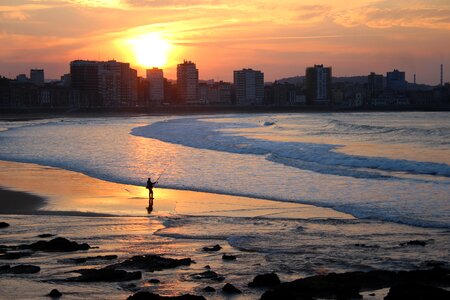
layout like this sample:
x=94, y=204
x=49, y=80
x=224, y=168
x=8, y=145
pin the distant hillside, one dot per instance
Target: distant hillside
x=354, y=80
x=300, y=79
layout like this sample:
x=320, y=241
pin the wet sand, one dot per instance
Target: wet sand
x=13, y=202
x=74, y=193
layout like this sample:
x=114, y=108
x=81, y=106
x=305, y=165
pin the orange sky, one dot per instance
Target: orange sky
x=279, y=37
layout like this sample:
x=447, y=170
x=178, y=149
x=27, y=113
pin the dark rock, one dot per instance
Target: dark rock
x=19, y=269
x=212, y=248
x=4, y=267
x=4, y=225
x=372, y=294
x=152, y=263
x=264, y=280
x=211, y=275
x=105, y=275
x=348, y=285
x=366, y=246
x=15, y=255
x=209, y=289
x=230, y=289
x=207, y=267
x=55, y=294
x=228, y=257
x=151, y=296
x=58, y=244
x=414, y=243
x=45, y=235
x=154, y=280
x=416, y=292
x=80, y=260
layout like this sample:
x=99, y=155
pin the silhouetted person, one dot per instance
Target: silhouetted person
x=150, y=186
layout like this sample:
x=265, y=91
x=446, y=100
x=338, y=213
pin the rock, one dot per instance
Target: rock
x=55, y=294
x=4, y=225
x=151, y=296
x=19, y=269
x=80, y=260
x=154, y=280
x=372, y=294
x=211, y=275
x=58, y=244
x=105, y=275
x=15, y=255
x=414, y=243
x=4, y=267
x=228, y=257
x=45, y=235
x=207, y=267
x=152, y=263
x=264, y=280
x=415, y=291
x=348, y=285
x=230, y=289
x=212, y=248
x=209, y=289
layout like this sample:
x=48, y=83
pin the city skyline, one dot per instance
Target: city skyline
x=280, y=38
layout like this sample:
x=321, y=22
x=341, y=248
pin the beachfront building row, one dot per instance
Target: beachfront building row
x=115, y=84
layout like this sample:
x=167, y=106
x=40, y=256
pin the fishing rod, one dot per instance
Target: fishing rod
x=167, y=166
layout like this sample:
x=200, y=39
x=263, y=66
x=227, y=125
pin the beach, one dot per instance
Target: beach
x=84, y=209
x=275, y=199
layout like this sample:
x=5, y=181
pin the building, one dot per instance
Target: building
x=187, y=83
x=395, y=81
x=219, y=93
x=155, y=77
x=374, y=83
x=84, y=76
x=249, y=87
x=284, y=94
x=103, y=83
x=318, y=85
x=22, y=78
x=37, y=76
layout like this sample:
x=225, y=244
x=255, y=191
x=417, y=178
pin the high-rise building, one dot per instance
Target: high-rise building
x=107, y=83
x=37, y=76
x=318, y=84
x=155, y=77
x=187, y=83
x=395, y=81
x=85, y=83
x=374, y=84
x=249, y=86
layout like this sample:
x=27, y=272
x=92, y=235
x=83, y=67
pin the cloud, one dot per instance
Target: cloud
x=14, y=15
x=383, y=16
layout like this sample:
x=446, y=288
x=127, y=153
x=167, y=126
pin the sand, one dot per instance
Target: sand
x=13, y=202
x=68, y=192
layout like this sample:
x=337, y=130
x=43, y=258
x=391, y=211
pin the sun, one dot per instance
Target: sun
x=150, y=50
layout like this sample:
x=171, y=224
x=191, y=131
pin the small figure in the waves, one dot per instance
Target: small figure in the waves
x=150, y=186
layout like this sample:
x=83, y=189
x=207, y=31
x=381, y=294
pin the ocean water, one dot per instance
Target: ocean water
x=389, y=170
x=382, y=166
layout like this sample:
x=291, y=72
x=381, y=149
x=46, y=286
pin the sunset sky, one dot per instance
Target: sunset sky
x=279, y=37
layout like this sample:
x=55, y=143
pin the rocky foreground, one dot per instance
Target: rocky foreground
x=431, y=283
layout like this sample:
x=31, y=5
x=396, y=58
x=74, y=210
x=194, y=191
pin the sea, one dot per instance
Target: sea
x=390, y=170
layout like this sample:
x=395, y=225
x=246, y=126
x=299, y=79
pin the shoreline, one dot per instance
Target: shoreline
x=29, y=114
x=78, y=194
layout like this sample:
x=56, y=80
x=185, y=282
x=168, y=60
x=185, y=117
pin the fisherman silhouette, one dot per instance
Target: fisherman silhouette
x=150, y=186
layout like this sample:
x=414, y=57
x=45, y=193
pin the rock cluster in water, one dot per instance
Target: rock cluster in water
x=348, y=285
